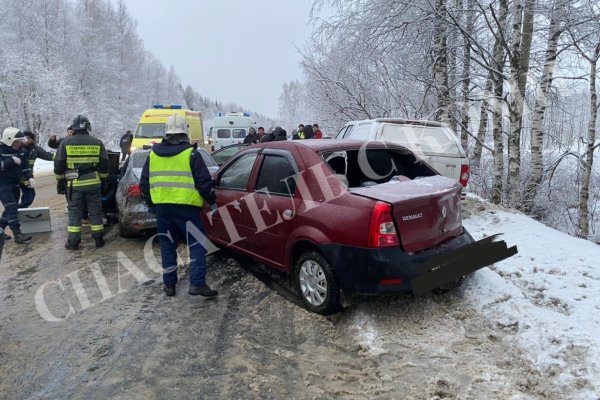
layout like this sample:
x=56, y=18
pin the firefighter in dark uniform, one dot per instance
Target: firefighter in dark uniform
x=32, y=152
x=13, y=168
x=176, y=183
x=81, y=163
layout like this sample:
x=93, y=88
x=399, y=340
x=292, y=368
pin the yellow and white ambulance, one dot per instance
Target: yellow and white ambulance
x=151, y=127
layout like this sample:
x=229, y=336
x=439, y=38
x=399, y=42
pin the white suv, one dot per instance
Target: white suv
x=432, y=141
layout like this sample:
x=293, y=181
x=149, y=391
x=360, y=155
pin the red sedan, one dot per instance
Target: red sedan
x=362, y=217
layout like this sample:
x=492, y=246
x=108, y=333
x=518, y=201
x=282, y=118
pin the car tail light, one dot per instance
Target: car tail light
x=134, y=191
x=397, y=281
x=382, y=232
x=464, y=174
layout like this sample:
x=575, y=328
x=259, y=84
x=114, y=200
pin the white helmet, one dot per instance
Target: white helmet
x=10, y=135
x=176, y=124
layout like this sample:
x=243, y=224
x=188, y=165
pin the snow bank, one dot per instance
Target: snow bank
x=547, y=296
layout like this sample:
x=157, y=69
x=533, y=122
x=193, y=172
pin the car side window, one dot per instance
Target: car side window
x=341, y=133
x=237, y=175
x=277, y=175
x=361, y=132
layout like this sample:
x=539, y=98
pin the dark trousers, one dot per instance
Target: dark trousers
x=9, y=196
x=27, y=196
x=125, y=152
x=171, y=220
x=78, y=198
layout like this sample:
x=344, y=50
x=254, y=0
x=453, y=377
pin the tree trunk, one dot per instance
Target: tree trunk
x=537, y=134
x=584, y=193
x=466, y=81
x=475, y=159
x=498, y=84
x=440, y=65
x=519, y=65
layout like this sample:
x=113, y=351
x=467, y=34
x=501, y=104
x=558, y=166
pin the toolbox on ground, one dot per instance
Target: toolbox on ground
x=35, y=220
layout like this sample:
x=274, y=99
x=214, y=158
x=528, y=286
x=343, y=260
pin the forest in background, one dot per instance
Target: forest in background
x=59, y=58
x=515, y=79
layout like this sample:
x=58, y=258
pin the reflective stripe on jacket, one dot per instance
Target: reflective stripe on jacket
x=171, y=180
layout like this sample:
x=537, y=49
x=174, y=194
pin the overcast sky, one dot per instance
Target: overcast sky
x=230, y=50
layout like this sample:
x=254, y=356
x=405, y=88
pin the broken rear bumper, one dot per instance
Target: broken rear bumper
x=393, y=271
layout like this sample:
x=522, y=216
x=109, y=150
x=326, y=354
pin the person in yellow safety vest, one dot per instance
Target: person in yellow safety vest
x=81, y=163
x=32, y=152
x=299, y=135
x=175, y=184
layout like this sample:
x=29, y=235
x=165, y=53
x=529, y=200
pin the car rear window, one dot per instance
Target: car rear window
x=138, y=158
x=276, y=176
x=223, y=133
x=429, y=139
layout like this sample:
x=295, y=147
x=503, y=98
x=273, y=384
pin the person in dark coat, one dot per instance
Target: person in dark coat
x=32, y=152
x=280, y=134
x=251, y=137
x=54, y=142
x=176, y=183
x=13, y=169
x=125, y=144
x=308, y=132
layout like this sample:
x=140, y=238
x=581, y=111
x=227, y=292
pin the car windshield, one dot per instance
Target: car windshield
x=150, y=131
x=429, y=139
x=208, y=160
x=222, y=155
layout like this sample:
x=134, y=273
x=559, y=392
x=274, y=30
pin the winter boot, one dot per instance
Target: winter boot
x=99, y=241
x=20, y=237
x=169, y=290
x=205, y=291
x=72, y=245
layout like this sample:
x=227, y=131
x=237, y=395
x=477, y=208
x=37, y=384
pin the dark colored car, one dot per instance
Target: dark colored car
x=133, y=214
x=337, y=215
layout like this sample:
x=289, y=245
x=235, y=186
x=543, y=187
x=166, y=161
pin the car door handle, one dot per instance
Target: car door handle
x=287, y=214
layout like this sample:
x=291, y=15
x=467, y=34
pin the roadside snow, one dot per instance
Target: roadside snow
x=547, y=296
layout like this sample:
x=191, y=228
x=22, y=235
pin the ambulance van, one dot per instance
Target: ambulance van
x=151, y=127
x=230, y=128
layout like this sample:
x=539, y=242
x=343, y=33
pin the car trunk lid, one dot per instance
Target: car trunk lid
x=426, y=210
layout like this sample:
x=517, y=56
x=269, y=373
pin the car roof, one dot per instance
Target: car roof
x=320, y=145
x=401, y=121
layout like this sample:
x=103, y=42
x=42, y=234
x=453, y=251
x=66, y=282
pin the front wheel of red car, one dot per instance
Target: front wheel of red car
x=316, y=284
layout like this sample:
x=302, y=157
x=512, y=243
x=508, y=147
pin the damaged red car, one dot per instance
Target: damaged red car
x=351, y=216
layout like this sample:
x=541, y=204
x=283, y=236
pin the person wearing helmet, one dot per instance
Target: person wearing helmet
x=175, y=183
x=32, y=152
x=81, y=163
x=13, y=168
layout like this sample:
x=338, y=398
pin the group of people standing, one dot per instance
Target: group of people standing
x=80, y=167
x=278, y=133
x=175, y=183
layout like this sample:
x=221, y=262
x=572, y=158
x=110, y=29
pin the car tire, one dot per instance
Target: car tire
x=316, y=284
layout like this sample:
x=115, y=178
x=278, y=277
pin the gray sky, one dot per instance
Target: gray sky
x=230, y=50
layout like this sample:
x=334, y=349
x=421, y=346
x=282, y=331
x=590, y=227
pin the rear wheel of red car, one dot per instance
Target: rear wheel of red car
x=316, y=284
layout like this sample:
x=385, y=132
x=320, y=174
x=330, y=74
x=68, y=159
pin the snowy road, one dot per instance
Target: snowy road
x=514, y=331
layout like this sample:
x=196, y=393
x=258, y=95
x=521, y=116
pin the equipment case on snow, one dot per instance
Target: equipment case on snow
x=35, y=220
